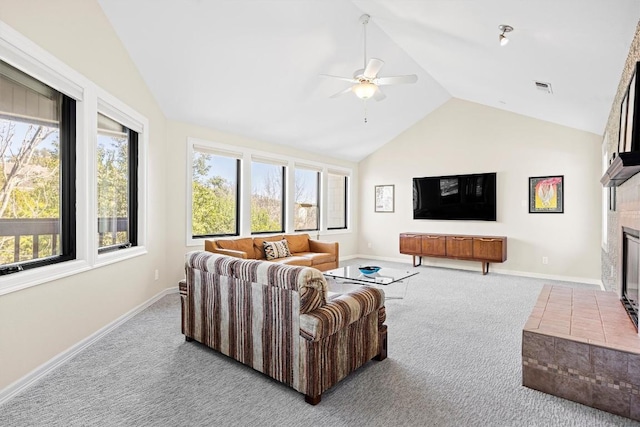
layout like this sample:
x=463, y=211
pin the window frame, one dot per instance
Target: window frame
x=132, y=193
x=346, y=200
x=115, y=109
x=319, y=179
x=246, y=154
x=26, y=56
x=67, y=215
x=283, y=210
x=192, y=144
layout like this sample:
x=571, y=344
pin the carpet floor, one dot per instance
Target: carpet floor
x=454, y=346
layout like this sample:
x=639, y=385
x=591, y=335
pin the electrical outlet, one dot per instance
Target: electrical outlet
x=369, y=245
x=545, y=260
x=157, y=274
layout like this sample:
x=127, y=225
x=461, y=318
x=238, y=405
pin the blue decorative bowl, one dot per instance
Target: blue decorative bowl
x=369, y=269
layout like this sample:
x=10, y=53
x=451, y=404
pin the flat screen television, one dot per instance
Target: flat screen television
x=461, y=197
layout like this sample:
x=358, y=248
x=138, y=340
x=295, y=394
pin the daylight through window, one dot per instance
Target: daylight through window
x=116, y=174
x=238, y=191
x=267, y=197
x=306, y=210
x=37, y=179
x=215, y=194
x=337, y=201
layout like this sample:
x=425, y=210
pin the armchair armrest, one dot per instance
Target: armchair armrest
x=321, y=246
x=340, y=312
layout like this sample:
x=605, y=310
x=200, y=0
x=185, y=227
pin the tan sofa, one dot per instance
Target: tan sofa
x=304, y=250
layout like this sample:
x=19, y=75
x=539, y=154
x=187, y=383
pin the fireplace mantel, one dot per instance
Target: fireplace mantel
x=623, y=167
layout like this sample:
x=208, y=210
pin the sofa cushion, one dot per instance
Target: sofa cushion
x=244, y=245
x=298, y=242
x=316, y=257
x=258, y=245
x=274, y=250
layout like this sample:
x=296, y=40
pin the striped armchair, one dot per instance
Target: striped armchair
x=276, y=319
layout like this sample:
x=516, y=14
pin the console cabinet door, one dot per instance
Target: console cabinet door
x=434, y=245
x=459, y=247
x=489, y=248
x=410, y=244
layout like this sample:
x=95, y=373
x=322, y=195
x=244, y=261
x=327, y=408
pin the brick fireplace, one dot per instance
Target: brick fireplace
x=581, y=345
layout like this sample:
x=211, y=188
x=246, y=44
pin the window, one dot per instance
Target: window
x=337, y=201
x=49, y=203
x=37, y=179
x=306, y=209
x=117, y=171
x=267, y=197
x=239, y=191
x=215, y=206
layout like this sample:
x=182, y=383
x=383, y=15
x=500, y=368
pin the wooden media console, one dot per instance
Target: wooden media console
x=484, y=249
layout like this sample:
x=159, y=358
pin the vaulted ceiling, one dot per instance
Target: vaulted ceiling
x=252, y=67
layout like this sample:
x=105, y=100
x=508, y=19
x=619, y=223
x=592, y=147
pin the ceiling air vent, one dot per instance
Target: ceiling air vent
x=544, y=87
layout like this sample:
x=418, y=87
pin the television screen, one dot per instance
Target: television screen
x=466, y=197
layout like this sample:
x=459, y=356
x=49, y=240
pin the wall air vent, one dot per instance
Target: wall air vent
x=544, y=87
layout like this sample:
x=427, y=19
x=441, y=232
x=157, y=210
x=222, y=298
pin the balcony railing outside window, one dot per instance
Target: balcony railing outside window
x=34, y=238
x=113, y=182
x=37, y=171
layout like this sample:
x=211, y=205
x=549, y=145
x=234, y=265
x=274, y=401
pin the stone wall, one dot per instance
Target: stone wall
x=627, y=212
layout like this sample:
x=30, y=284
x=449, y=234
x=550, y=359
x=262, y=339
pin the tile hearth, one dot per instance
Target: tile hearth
x=581, y=345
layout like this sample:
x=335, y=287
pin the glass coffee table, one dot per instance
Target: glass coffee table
x=393, y=281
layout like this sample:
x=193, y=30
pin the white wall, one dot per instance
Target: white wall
x=40, y=322
x=464, y=137
x=177, y=134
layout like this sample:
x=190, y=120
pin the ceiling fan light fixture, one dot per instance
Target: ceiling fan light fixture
x=364, y=90
x=502, y=38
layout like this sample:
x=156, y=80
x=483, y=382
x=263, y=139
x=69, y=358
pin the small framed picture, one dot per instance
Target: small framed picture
x=384, y=198
x=546, y=194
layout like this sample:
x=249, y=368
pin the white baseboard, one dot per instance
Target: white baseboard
x=552, y=277
x=47, y=367
x=498, y=270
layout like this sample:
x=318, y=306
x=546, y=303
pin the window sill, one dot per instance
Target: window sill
x=119, y=255
x=37, y=276
x=314, y=234
x=332, y=232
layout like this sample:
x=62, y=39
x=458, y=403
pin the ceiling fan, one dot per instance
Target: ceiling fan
x=365, y=81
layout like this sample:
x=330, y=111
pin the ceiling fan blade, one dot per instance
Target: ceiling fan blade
x=379, y=95
x=396, y=80
x=373, y=66
x=346, y=79
x=342, y=92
